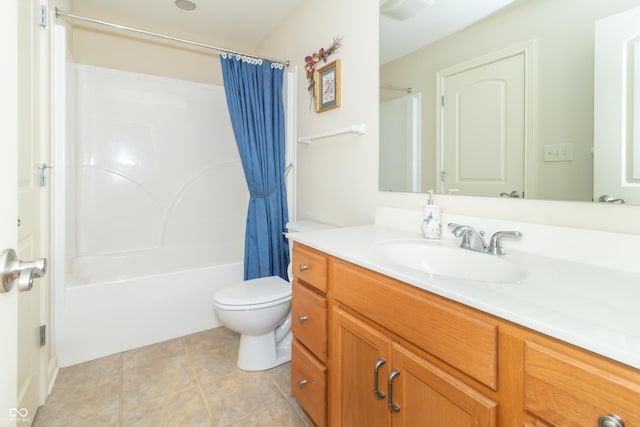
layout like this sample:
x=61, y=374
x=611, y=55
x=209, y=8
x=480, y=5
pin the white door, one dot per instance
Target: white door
x=32, y=202
x=9, y=206
x=483, y=129
x=400, y=144
x=617, y=108
x=21, y=215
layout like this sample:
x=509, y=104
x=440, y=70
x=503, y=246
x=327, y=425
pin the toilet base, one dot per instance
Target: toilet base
x=258, y=353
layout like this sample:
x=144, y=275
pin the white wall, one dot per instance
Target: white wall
x=337, y=177
x=121, y=51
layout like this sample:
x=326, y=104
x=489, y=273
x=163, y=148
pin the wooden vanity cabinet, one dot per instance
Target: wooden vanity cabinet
x=383, y=353
x=568, y=387
x=309, y=328
x=376, y=380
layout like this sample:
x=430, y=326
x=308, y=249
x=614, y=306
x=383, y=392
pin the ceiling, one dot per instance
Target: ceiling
x=243, y=24
x=444, y=17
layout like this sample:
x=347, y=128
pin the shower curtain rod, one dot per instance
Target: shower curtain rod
x=394, y=87
x=60, y=13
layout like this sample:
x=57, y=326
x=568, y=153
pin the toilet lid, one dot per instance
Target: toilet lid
x=255, y=291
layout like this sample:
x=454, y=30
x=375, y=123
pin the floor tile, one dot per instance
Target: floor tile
x=95, y=412
x=233, y=397
x=191, y=381
x=158, y=378
x=109, y=365
x=279, y=415
x=182, y=409
x=142, y=356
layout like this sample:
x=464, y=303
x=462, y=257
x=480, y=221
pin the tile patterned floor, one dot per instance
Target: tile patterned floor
x=189, y=381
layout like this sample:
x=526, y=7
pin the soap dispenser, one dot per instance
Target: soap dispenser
x=431, y=228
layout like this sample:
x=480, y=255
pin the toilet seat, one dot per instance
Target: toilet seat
x=253, y=294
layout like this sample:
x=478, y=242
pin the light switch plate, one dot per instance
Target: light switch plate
x=558, y=152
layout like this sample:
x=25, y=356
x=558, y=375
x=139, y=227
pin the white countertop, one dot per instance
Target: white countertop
x=595, y=308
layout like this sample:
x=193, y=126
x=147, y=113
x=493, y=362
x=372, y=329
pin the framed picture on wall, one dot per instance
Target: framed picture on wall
x=328, y=87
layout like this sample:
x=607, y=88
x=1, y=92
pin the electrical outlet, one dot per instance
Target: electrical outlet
x=558, y=152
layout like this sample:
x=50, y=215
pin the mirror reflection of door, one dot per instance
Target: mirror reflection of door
x=483, y=129
x=617, y=108
x=400, y=144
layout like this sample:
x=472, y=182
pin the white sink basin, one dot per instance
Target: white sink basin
x=443, y=259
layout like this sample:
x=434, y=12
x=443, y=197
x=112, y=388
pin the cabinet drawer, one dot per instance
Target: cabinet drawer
x=309, y=383
x=309, y=319
x=562, y=390
x=309, y=266
x=465, y=342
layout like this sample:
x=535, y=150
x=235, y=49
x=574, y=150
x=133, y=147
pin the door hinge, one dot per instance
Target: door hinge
x=42, y=18
x=443, y=174
x=43, y=173
x=43, y=335
x=442, y=101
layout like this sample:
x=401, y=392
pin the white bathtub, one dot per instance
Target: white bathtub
x=150, y=203
x=103, y=318
x=117, y=267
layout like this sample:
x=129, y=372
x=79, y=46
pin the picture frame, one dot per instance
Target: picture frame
x=328, y=87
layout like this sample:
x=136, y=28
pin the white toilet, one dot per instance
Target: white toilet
x=260, y=311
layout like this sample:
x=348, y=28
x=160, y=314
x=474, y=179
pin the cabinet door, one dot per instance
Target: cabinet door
x=355, y=349
x=428, y=396
x=567, y=391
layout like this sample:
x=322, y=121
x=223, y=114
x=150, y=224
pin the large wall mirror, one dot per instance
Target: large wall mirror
x=530, y=101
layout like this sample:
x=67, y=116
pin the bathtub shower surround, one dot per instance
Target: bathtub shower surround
x=155, y=205
x=155, y=172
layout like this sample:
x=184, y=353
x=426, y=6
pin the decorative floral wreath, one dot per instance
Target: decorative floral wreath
x=311, y=60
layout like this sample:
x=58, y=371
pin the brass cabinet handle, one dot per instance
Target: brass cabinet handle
x=394, y=407
x=378, y=393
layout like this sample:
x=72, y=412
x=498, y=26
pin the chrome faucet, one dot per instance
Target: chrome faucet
x=495, y=244
x=471, y=239
x=474, y=240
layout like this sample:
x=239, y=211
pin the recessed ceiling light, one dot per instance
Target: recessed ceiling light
x=186, y=5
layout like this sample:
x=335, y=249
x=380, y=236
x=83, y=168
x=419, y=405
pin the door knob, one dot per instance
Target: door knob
x=609, y=199
x=13, y=271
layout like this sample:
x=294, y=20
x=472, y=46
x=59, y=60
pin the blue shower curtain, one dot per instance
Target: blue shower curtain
x=253, y=90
